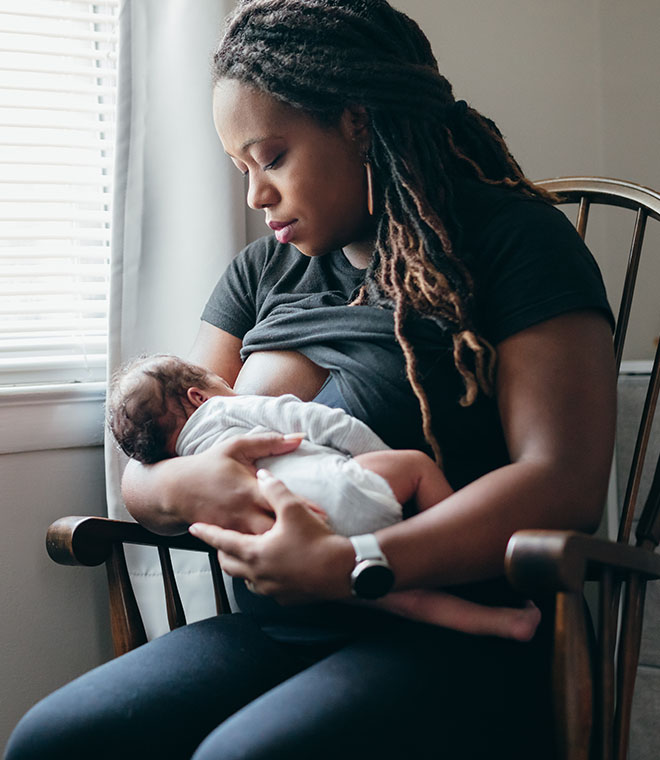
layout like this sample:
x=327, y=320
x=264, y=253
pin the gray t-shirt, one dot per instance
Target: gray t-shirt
x=528, y=265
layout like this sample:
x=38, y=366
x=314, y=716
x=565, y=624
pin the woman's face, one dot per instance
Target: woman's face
x=309, y=179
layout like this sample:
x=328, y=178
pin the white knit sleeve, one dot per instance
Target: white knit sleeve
x=323, y=425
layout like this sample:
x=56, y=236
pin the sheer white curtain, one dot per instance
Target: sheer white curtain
x=178, y=219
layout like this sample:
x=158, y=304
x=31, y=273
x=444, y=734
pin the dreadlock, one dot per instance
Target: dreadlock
x=322, y=55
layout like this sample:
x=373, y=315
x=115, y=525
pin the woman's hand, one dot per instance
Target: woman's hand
x=217, y=486
x=298, y=560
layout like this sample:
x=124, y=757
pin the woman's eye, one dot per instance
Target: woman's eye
x=242, y=168
x=274, y=162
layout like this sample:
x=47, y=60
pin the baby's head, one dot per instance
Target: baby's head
x=150, y=399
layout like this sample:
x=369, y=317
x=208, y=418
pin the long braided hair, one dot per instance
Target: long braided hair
x=322, y=55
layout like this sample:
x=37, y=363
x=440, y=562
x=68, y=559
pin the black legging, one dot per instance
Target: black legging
x=223, y=689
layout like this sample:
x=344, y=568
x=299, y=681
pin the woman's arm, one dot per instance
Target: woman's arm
x=217, y=486
x=556, y=391
x=217, y=351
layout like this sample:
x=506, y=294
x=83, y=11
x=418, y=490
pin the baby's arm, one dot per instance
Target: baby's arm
x=410, y=474
x=322, y=425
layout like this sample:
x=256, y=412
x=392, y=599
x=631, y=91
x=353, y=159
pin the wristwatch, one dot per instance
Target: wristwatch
x=372, y=576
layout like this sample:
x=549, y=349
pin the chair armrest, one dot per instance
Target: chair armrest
x=88, y=540
x=547, y=560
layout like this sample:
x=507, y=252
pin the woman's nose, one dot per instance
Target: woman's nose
x=261, y=192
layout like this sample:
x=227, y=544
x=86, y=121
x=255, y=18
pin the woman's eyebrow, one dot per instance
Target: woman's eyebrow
x=252, y=141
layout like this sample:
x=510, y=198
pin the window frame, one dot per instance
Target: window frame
x=54, y=414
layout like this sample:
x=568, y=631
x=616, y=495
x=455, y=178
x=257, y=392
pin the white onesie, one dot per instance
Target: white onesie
x=321, y=469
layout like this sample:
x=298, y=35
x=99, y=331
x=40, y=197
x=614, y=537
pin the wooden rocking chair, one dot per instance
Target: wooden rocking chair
x=593, y=700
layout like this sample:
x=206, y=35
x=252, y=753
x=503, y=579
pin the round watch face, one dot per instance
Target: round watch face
x=372, y=579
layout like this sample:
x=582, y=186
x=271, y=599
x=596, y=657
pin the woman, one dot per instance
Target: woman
x=417, y=279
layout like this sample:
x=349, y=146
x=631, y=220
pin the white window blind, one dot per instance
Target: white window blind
x=57, y=106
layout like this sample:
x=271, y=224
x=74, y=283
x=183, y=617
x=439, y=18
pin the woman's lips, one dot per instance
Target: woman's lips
x=283, y=230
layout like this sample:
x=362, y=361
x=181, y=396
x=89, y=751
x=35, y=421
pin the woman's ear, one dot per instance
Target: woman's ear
x=197, y=396
x=356, y=126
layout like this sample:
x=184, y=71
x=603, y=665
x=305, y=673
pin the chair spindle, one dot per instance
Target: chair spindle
x=582, y=216
x=606, y=647
x=572, y=678
x=175, y=615
x=631, y=633
x=629, y=285
x=221, y=600
x=125, y=619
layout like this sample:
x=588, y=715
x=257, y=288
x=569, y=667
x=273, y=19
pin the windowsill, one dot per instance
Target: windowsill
x=37, y=418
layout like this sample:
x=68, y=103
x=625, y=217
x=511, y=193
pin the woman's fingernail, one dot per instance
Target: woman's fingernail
x=194, y=529
x=264, y=474
x=294, y=436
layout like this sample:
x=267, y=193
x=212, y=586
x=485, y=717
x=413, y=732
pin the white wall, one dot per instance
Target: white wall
x=629, y=66
x=54, y=622
x=530, y=66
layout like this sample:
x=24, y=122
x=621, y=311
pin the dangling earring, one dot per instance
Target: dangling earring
x=370, y=188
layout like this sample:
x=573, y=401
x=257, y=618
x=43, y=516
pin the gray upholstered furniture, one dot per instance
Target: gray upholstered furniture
x=645, y=726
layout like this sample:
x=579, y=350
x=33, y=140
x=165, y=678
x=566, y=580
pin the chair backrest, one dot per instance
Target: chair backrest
x=645, y=203
x=615, y=685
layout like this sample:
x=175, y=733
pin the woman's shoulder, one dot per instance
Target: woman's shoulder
x=483, y=209
x=260, y=267
x=233, y=303
x=528, y=261
x=501, y=226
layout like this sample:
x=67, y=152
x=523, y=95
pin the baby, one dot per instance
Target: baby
x=161, y=406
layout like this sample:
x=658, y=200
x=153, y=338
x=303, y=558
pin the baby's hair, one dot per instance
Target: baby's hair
x=146, y=402
x=320, y=56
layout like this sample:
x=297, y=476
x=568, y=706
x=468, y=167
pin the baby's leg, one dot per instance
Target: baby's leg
x=440, y=608
x=410, y=473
